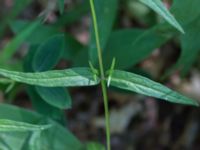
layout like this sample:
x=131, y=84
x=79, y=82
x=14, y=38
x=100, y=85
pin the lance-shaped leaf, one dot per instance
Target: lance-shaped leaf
x=14, y=44
x=145, y=86
x=57, y=78
x=158, y=7
x=10, y=125
x=40, y=34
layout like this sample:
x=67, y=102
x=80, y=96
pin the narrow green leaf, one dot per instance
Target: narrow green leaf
x=145, y=86
x=57, y=78
x=40, y=34
x=48, y=54
x=158, y=7
x=57, y=97
x=14, y=44
x=9, y=16
x=9, y=125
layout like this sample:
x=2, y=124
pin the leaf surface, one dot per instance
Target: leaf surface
x=145, y=86
x=159, y=7
x=10, y=125
x=9, y=50
x=130, y=46
x=40, y=34
x=57, y=97
x=94, y=146
x=57, y=78
x=48, y=54
x=54, y=138
x=106, y=12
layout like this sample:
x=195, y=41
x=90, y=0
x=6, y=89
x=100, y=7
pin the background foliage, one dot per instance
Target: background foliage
x=142, y=35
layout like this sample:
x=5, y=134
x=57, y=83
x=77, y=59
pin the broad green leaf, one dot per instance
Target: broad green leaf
x=44, y=108
x=40, y=34
x=183, y=12
x=130, y=46
x=72, y=48
x=57, y=78
x=190, y=47
x=159, y=7
x=139, y=84
x=10, y=125
x=94, y=146
x=140, y=12
x=54, y=138
x=9, y=50
x=48, y=54
x=61, y=5
x=41, y=100
x=12, y=140
x=57, y=97
x=106, y=12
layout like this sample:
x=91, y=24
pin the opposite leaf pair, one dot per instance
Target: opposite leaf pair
x=85, y=77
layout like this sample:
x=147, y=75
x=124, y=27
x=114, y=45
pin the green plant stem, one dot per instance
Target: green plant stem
x=102, y=74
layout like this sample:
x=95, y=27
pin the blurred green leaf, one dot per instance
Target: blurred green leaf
x=72, y=48
x=72, y=15
x=38, y=103
x=46, y=57
x=17, y=7
x=32, y=142
x=106, y=11
x=186, y=11
x=190, y=45
x=9, y=50
x=10, y=125
x=57, y=97
x=48, y=53
x=44, y=108
x=61, y=4
x=40, y=34
x=54, y=138
x=57, y=78
x=94, y=146
x=130, y=46
x=139, y=84
x=159, y=7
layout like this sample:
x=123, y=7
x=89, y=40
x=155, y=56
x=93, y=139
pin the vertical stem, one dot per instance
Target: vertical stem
x=103, y=82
